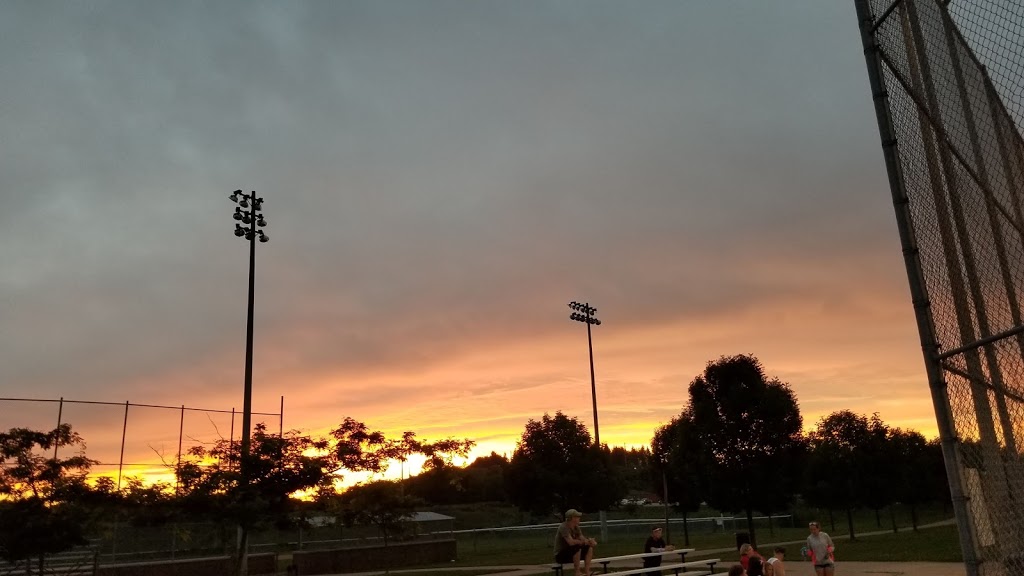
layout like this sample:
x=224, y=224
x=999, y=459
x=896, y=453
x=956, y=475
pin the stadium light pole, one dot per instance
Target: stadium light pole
x=249, y=222
x=584, y=312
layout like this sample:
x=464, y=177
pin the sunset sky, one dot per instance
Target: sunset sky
x=440, y=179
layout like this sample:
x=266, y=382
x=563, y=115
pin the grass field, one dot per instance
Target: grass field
x=934, y=544
x=939, y=544
x=488, y=515
x=481, y=544
x=488, y=547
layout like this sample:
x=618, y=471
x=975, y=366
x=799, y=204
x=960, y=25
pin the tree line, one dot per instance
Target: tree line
x=49, y=504
x=738, y=445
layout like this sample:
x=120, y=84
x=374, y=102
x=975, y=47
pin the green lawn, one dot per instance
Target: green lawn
x=940, y=544
x=487, y=515
x=485, y=548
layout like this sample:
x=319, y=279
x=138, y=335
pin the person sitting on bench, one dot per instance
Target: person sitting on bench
x=572, y=546
x=655, y=543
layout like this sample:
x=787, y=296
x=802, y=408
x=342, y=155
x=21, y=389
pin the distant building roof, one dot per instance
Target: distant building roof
x=430, y=517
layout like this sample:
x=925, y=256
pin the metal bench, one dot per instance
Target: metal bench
x=682, y=566
x=674, y=567
x=557, y=568
x=605, y=561
x=677, y=568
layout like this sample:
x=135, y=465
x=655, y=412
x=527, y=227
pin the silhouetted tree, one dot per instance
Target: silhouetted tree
x=439, y=453
x=938, y=485
x=921, y=471
x=633, y=467
x=438, y=485
x=881, y=472
x=381, y=504
x=842, y=456
x=745, y=425
x=484, y=479
x=676, y=460
x=39, y=494
x=210, y=479
x=555, y=466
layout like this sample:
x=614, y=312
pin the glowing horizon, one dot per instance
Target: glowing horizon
x=632, y=402
x=440, y=180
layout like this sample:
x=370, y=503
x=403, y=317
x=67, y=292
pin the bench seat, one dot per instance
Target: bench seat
x=608, y=559
x=681, y=566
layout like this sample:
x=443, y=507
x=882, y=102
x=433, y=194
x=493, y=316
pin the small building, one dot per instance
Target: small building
x=431, y=525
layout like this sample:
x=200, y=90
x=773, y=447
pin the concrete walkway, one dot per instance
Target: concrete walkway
x=793, y=569
x=888, y=569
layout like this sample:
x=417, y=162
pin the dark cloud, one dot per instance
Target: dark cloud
x=438, y=175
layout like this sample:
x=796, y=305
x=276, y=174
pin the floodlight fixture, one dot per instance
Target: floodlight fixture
x=584, y=313
x=250, y=229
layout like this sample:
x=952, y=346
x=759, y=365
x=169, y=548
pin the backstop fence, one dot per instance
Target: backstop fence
x=947, y=79
x=128, y=439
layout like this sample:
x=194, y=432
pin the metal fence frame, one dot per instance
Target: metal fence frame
x=124, y=425
x=953, y=152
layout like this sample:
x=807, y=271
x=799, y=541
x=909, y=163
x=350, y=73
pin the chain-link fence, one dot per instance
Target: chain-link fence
x=123, y=541
x=947, y=78
x=128, y=439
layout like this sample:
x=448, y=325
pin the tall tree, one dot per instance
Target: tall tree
x=876, y=489
x=484, y=479
x=439, y=475
x=209, y=479
x=279, y=467
x=633, y=466
x=442, y=484
x=676, y=465
x=441, y=453
x=357, y=448
x=39, y=494
x=842, y=455
x=381, y=504
x=746, y=425
x=921, y=471
x=555, y=466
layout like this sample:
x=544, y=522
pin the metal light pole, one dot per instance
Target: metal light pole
x=585, y=313
x=249, y=224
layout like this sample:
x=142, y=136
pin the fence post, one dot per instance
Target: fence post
x=124, y=430
x=177, y=466
x=231, y=439
x=60, y=414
